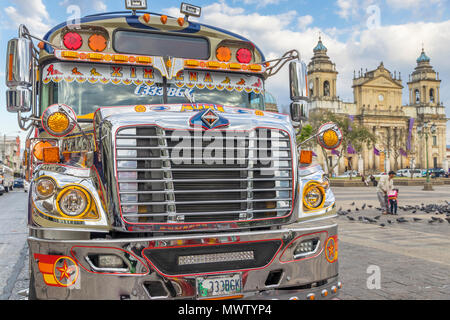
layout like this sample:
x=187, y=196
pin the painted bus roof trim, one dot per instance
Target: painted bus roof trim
x=133, y=20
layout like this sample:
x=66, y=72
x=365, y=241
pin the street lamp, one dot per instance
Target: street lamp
x=424, y=131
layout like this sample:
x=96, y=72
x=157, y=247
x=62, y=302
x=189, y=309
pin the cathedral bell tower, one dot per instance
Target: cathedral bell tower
x=424, y=83
x=322, y=75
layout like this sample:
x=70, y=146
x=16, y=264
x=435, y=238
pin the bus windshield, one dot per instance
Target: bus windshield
x=85, y=88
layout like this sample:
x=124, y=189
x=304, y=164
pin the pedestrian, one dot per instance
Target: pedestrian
x=392, y=197
x=363, y=179
x=385, y=185
x=373, y=180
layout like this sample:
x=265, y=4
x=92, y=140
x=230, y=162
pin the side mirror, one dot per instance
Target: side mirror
x=298, y=80
x=19, y=75
x=299, y=112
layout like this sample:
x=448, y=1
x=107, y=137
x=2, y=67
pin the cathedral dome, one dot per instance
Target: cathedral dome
x=423, y=57
x=270, y=98
x=320, y=46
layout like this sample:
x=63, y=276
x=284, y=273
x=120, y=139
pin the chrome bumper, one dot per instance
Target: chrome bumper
x=140, y=279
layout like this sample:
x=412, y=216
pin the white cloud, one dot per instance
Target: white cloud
x=262, y=3
x=85, y=5
x=304, y=21
x=411, y=4
x=347, y=8
x=31, y=13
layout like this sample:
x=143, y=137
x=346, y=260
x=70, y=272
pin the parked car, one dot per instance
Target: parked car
x=436, y=173
x=346, y=174
x=378, y=175
x=414, y=173
x=2, y=189
x=18, y=183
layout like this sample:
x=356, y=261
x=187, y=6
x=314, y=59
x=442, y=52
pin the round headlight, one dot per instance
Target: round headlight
x=313, y=196
x=45, y=187
x=73, y=202
x=59, y=120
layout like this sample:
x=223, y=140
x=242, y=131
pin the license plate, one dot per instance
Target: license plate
x=219, y=286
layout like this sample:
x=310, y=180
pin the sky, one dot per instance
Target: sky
x=358, y=34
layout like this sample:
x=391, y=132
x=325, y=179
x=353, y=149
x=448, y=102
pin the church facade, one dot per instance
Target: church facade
x=378, y=106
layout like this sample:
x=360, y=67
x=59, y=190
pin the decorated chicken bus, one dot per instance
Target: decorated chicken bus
x=157, y=173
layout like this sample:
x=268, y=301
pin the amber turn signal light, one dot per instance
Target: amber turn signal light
x=51, y=155
x=97, y=42
x=305, y=157
x=38, y=149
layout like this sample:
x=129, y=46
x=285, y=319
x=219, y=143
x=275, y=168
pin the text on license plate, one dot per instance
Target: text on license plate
x=219, y=286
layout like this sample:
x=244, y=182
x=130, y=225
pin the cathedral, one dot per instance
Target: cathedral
x=402, y=131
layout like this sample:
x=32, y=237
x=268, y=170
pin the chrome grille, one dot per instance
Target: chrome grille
x=203, y=176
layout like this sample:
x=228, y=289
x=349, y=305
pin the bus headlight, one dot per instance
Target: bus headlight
x=313, y=196
x=45, y=187
x=73, y=202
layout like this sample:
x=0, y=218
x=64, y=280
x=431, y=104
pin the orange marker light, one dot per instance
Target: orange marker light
x=41, y=45
x=97, y=42
x=305, y=157
x=146, y=17
x=192, y=63
x=235, y=66
x=180, y=21
x=51, y=154
x=10, y=67
x=223, y=54
x=164, y=19
x=38, y=149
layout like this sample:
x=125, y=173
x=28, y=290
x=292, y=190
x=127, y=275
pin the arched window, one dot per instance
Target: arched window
x=417, y=93
x=431, y=95
x=326, y=88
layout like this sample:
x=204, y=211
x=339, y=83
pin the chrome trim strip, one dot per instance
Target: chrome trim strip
x=189, y=236
x=203, y=191
x=200, y=202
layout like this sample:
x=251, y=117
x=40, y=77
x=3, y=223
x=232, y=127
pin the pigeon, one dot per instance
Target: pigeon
x=363, y=206
x=414, y=211
x=382, y=224
x=401, y=220
x=417, y=219
x=377, y=217
x=349, y=210
x=370, y=206
x=350, y=218
x=352, y=204
x=389, y=221
x=370, y=220
x=434, y=218
x=431, y=221
x=357, y=209
x=440, y=220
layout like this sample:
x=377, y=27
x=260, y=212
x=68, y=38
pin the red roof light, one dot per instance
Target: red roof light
x=244, y=55
x=72, y=41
